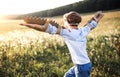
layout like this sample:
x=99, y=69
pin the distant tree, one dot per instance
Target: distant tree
x=81, y=7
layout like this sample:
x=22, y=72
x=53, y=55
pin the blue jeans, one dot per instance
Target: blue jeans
x=79, y=71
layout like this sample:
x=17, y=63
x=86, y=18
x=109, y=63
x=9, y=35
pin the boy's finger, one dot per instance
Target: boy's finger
x=22, y=24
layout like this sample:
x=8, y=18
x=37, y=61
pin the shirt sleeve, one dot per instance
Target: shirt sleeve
x=86, y=29
x=92, y=24
x=51, y=29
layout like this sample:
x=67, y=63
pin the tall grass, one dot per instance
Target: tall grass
x=29, y=53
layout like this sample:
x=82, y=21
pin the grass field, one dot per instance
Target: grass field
x=25, y=52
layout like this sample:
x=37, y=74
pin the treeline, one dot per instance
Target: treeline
x=81, y=7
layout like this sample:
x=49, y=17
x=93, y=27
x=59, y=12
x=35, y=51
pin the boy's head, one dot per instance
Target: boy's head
x=72, y=18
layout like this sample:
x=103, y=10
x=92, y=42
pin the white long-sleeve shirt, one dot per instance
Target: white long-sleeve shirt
x=76, y=41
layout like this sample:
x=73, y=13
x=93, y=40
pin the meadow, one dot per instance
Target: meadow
x=25, y=52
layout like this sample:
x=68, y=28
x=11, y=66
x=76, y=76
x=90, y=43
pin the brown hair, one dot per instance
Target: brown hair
x=72, y=17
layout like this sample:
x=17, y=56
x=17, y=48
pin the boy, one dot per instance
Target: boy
x=75, y=38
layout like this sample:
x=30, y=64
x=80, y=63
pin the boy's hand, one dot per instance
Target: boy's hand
x=98, y=16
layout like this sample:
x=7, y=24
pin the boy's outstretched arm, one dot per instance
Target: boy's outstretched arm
x=36, y=26
x=95, y=19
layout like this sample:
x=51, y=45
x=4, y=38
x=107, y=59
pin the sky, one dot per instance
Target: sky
x=29, y=6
